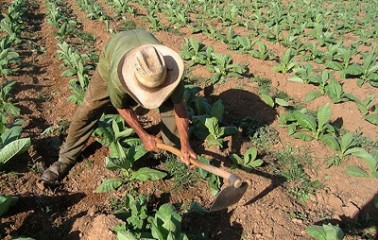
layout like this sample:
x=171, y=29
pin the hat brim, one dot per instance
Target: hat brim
x=151, y=98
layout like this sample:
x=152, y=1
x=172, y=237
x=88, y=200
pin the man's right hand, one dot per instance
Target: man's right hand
x=149, y=142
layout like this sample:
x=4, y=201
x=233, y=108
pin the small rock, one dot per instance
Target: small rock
x=297, y=221
x=92, y=210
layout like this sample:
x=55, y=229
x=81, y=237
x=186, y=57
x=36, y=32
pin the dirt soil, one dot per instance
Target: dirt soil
x=73, y=210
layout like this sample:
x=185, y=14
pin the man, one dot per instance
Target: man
x=134, y=68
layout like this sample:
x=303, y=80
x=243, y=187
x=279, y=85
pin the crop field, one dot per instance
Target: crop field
x=283, y=94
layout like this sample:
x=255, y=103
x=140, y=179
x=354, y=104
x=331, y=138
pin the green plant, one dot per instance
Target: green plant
x=249, y=161
x=368, y=71
x=262, y=52
x=194, y=52
x=216, y=132
x=7, y=109
x=290, y=163
x=124, y=152
x=223, y=67
x=8, y=57
x=346, y=145
x=371, y=160
x=140, y=223
x=335, y=91
x=287, y=62
x=325, y=232
x=11, y=144
x=6, y=202
x=344, y=64
x=182, y=176
x=299, y=122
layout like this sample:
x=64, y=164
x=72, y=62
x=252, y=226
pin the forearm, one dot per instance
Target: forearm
x=132, y=120
x=182, y=122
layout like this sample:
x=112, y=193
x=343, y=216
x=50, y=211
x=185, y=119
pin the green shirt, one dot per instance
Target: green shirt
x=110, y=58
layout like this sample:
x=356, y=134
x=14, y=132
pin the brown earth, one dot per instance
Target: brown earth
x=267, y=211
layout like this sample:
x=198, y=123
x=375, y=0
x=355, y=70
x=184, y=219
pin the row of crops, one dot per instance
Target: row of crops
x=11, y=143
x=318, y=51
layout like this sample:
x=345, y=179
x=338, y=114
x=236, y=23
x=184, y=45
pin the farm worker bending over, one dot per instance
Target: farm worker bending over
x=134, y=68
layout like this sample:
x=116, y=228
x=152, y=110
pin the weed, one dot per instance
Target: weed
x=183, y=177
x=290, y=164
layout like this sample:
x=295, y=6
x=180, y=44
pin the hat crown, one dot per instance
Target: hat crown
x=150, y=68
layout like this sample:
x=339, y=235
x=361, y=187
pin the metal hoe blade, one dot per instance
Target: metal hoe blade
x=228, y=196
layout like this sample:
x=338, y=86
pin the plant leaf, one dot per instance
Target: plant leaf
x=356, y=171
x=109, y=184
x=145, y=173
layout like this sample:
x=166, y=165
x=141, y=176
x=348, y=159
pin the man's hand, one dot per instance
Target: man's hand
x=149, y=142
x=187, y=153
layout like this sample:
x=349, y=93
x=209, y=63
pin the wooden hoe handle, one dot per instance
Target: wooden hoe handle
x=232, y=179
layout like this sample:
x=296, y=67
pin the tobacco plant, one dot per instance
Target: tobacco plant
x=7, y=108
x=325, y=232
x=222, y=67
x=249, y=161
x=141, y=223
x=8, y=58
x=368, y=71
x=287, y=62
x=125, y=150
x=306, y=126
x=11, y=143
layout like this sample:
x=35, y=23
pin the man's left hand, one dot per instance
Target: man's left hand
x=187, y=153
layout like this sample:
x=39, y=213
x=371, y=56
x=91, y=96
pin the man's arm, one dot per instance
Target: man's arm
x=131, y=119
x=182, y=122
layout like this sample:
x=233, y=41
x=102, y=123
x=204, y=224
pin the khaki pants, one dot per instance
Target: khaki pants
x=89, y=112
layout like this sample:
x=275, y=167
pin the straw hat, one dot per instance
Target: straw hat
x=151, y=73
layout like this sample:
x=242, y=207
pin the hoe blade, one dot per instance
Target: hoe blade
x=228, y=196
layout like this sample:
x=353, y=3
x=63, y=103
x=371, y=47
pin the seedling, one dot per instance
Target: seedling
x=249, y=160
x=287, y=62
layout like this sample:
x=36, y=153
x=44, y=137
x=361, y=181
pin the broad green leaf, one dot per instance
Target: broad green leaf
x=12, y=149
x=109, y=184
x=145, y=173
x=331, y=140
x=323, y=115
x=325, y=232
x=302, y=136
x=12, y=133
x=126, y=235
x=113, y=163
x=217, y=110
x=313, y=95
x=6, y=202
x=316, y=232
x=306, y=121
x=371, y=161
x=354, y=70
x=281, y=102
x=372, y=118
x=356, y=171
x=267, y=99
x=296, y=79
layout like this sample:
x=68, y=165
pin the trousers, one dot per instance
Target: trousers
x=88, y=113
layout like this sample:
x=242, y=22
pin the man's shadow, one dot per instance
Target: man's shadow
x=41, y=213
x=240, y=105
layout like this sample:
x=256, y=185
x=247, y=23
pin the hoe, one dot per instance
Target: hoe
x=229, y=195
